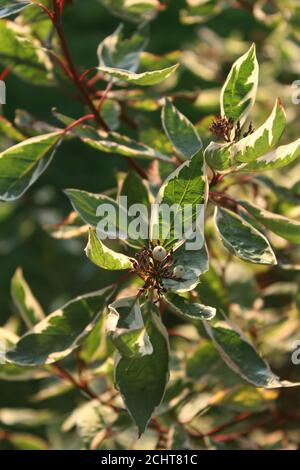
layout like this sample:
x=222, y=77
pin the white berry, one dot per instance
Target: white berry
x=178, y=272
x=159, y=253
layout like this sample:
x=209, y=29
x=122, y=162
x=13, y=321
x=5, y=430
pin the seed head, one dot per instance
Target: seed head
x=222, y=127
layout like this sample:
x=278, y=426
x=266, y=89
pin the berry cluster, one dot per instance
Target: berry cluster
x=155, y=264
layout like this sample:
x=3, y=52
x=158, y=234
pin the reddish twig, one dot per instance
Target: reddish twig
x=64, y=374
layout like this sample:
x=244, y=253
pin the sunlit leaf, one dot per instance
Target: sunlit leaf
x=144, y=79
x=278, y=158
x=239, y=90
x=263, y=139
x=103, y=256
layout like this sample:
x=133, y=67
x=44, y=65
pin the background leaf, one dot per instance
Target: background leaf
x=242, y=239
x=27, y=305
x=23, y=54
x=10, y=7
x=282, y=226
x=137, y=11
x=241, y=357
x=61, y=332
x=22, y=164
x=144, y=79
x=118, y=52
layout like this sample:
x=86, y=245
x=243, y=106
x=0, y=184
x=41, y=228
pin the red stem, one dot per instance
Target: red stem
x=56, y=18
x=76, y=78
x=64, y=374
x=77, y=122
x=5, y=73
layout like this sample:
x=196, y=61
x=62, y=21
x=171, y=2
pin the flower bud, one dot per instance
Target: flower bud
x=178, y=271
x=159, y=253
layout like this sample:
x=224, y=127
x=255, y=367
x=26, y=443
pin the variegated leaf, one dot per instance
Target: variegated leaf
x=282, y=226
x=263, y=139
x=103, y=256
x=278, y=158
x=239, y=91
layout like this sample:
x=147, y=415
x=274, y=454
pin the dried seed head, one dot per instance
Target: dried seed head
x=159, y=253
x=221, y=127
x=178, y=272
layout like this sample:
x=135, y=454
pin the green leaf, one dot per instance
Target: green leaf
x=111, y=113
x=202, y=360
x=126, y=329
x=8, y=130
x=218, y=156
x=23, y=54
x=60, y=333
x=200, y=11
x=118, y=52
x=186, y=186
x=189, y=310
x=212, y=291
x=12, y=372
x=137, y=11
x=120, y=144
x=263, y=139
x=278, y=158
x=95, y=209
x=144, y=79
x=103, y=256
x=239, y=91
x=86, y=205
x=242, y=239
x=135, y=190
x=180, y=131
x=282, y=226
x=22, y=164
x=195, y=263
x=29, y=308
x=11, y=7
x=239, y=354
x=142, y=381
